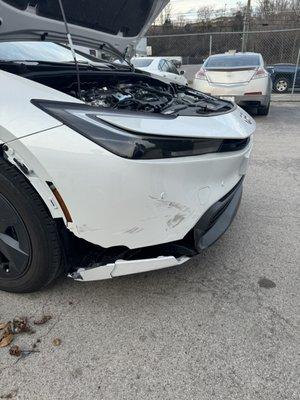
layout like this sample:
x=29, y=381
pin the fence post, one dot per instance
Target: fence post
x=296, y=70
x=210, y=44
x=246, y=26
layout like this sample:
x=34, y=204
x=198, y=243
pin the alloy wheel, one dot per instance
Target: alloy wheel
x=15, y=244
x=281, y=85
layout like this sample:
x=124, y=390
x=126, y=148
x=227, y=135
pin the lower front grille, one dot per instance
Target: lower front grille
x=217, y=218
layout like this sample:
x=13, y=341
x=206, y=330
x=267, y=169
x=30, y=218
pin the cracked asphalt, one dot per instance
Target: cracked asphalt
x=223, y=326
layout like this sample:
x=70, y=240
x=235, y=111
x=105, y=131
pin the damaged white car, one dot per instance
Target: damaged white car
x=105, y=171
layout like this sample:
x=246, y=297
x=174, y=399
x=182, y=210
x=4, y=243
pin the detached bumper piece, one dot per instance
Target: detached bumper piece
x=210, y=227
x=218, y=218
x=123, y=267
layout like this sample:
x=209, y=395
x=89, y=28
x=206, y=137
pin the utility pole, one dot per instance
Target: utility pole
x=246, y=26
x=210, y=44
x=296, y=72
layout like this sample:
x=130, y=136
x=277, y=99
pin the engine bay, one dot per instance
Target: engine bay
x=141, y=96
x=129, y=90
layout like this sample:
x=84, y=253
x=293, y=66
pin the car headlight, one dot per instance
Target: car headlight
x=86, y=120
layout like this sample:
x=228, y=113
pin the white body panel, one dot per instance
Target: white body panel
x=230, y=76
x=231, y=125
x=18, y=117
x=135, y=203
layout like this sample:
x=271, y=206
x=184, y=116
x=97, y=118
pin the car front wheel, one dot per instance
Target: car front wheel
x=281, y=85
x=30, y=250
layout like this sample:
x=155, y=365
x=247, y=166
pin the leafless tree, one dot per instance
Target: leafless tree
x=180, y=20
x=165, y=14
x=271, y=7
x=205, y=13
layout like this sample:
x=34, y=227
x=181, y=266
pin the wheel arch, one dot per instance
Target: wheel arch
x=9, y=153
x=284, y=75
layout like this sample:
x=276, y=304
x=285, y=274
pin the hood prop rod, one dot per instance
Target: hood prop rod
x=70, y=41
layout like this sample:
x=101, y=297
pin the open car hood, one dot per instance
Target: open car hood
x=119, y=23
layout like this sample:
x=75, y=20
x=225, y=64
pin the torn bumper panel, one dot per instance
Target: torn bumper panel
x=123, y=267
x=212, y=225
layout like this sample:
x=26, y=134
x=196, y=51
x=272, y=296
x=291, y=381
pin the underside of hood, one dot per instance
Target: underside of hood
x=119, y=23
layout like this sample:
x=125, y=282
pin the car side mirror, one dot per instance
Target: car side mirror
x=182, y=72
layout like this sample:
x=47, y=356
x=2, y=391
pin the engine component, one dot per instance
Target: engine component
x=143, y=97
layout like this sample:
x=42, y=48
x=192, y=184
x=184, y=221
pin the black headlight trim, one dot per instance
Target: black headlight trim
x=130, y=145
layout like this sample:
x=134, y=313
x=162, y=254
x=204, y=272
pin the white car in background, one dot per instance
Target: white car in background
x=104, y=170
x=241, y=77
x=160, y=67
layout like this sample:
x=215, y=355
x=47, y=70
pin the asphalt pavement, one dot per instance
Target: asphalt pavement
x=223, y=326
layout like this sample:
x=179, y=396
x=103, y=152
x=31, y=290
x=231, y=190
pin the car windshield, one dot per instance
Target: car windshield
x=232, y=61
x=141, y=62
x=37, y=51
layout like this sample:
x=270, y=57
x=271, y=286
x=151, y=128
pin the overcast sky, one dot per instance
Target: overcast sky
x=184, y=6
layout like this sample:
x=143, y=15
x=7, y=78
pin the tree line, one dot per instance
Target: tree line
x=268, y=15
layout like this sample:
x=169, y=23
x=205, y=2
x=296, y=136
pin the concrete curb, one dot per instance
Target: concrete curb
x=286, y=98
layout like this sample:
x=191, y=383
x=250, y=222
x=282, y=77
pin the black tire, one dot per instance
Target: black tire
x=281, y=84
x=263, y=110
x=30, y=226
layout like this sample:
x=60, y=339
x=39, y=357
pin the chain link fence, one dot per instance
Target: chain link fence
x=276, y=47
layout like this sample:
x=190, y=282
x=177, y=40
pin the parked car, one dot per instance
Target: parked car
x=106, y=171
x=282, y=76
x=161, y=67
x=239, y=76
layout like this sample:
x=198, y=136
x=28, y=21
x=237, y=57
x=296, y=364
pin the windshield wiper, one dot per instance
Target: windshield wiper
x=58, y=63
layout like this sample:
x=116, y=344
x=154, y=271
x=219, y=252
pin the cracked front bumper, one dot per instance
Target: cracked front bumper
x=212, y=225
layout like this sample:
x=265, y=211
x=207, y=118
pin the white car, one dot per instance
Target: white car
x=105, y=171
x=160, y=67
x=238, y=76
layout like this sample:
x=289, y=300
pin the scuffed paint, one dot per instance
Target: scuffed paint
x=176, y=220
x=170, y=204
x=179, y=217
x=135, y=229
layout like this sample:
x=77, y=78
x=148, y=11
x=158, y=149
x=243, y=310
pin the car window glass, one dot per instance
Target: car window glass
x=172, y=68
x=141, y=62
x=36, y=51
x=164, y=66
x=161, y=64
x=227, y=61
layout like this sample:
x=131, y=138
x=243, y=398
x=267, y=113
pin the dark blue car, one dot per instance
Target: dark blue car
x=283, y=76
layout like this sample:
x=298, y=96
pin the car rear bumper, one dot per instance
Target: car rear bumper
x=254, y=100
x=255, y=92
